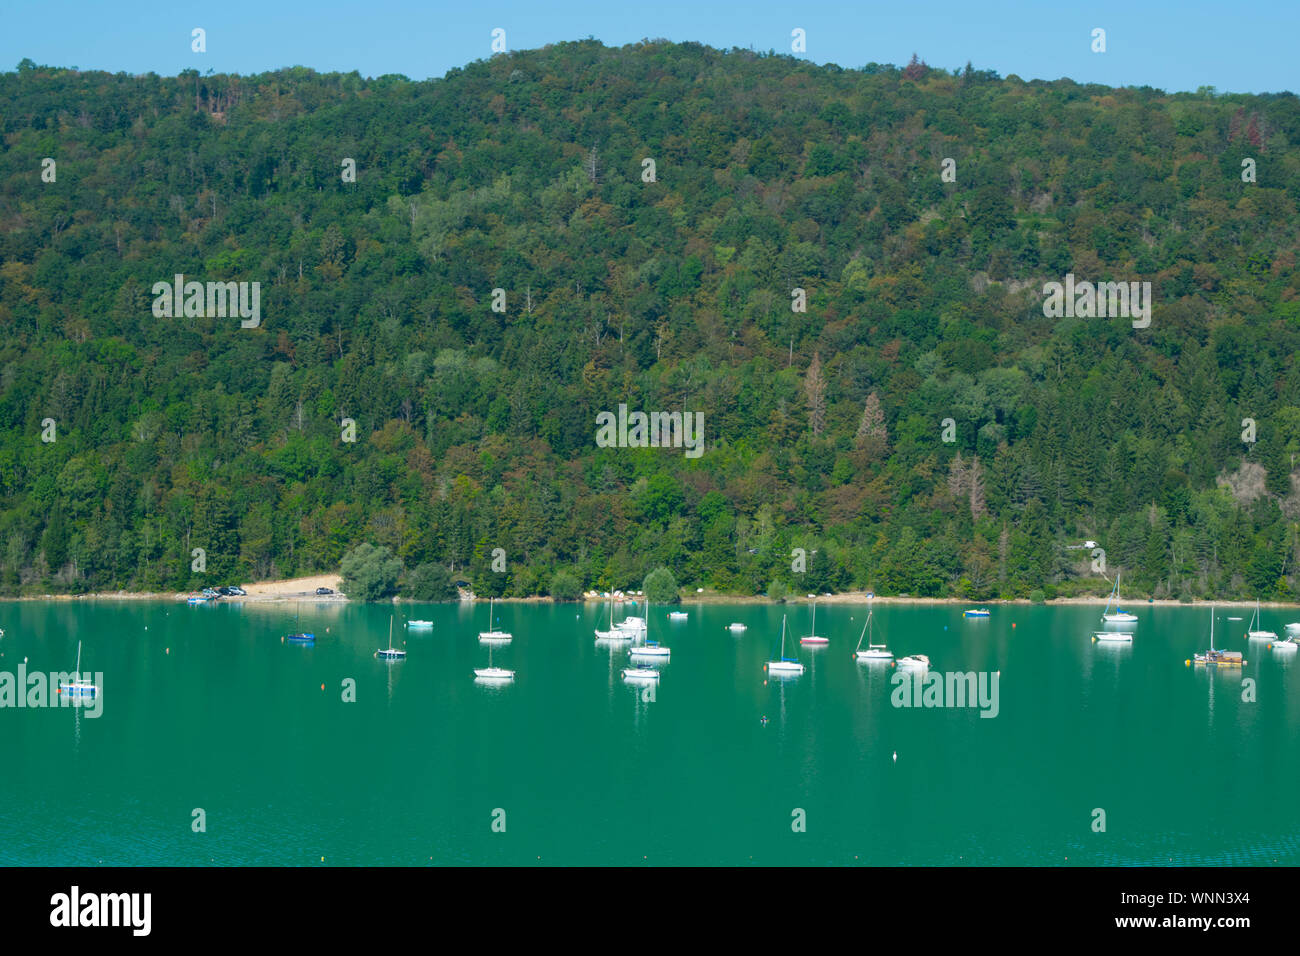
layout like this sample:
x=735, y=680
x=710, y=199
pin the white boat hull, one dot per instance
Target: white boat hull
x=1120, y=618
x=1261, y=635
x=784, y=667
x=659, y=652
x=497, y=637
x=918, y=661
x=736, y=627
x=493, y=673
x=640, y=674
x=875, y=656
x=1114, y=637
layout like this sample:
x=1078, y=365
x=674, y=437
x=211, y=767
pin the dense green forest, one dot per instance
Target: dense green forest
x=475, y=429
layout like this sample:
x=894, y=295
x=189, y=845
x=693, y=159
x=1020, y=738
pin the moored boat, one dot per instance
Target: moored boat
x=874, y=652
x=783, y=664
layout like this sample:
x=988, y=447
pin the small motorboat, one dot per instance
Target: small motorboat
x=677, y=615
x=914, y=660
x=735, y=628
x=976, y=612
x=1285, y=645
x=419, y=625
x=1118, y=637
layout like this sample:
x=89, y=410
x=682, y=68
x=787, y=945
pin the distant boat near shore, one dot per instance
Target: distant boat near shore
x=976, y=612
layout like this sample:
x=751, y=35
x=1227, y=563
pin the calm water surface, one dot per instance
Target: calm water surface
x=206, y=708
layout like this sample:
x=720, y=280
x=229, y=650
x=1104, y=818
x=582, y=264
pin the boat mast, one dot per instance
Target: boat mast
x=864, y=632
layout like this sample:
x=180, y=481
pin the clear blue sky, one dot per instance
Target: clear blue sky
x=1170, y=44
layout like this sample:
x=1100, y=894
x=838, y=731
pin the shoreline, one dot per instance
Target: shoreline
x=300, y=589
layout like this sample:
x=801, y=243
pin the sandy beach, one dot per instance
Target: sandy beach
x=292, y=589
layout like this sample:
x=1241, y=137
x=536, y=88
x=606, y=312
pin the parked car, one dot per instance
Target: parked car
x=234, y=589
x=211, y=593
x=324, y=590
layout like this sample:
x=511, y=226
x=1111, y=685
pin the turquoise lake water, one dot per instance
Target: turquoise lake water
x=206, y=707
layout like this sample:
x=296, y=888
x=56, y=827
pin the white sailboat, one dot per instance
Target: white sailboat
x=813, y=638
x=784, y=665
x=1254, y=633
x=1119, y=615
x=390, y=653
x=499, y=637
x=614, y=633
x=874, y=652
x=492, y=673
x=77, y=688
x=648, y=649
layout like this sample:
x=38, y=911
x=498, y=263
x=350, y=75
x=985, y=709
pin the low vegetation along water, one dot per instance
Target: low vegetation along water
x=218, y=743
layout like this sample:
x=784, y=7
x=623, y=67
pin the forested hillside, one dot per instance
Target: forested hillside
x=475, y=430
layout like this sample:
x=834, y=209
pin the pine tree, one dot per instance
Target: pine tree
x=873, y=435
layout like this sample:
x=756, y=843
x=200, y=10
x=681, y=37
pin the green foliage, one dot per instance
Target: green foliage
x=429, y=582
x=475, y=429
x=661, y=587
x=369, y=573
x=565, y=587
